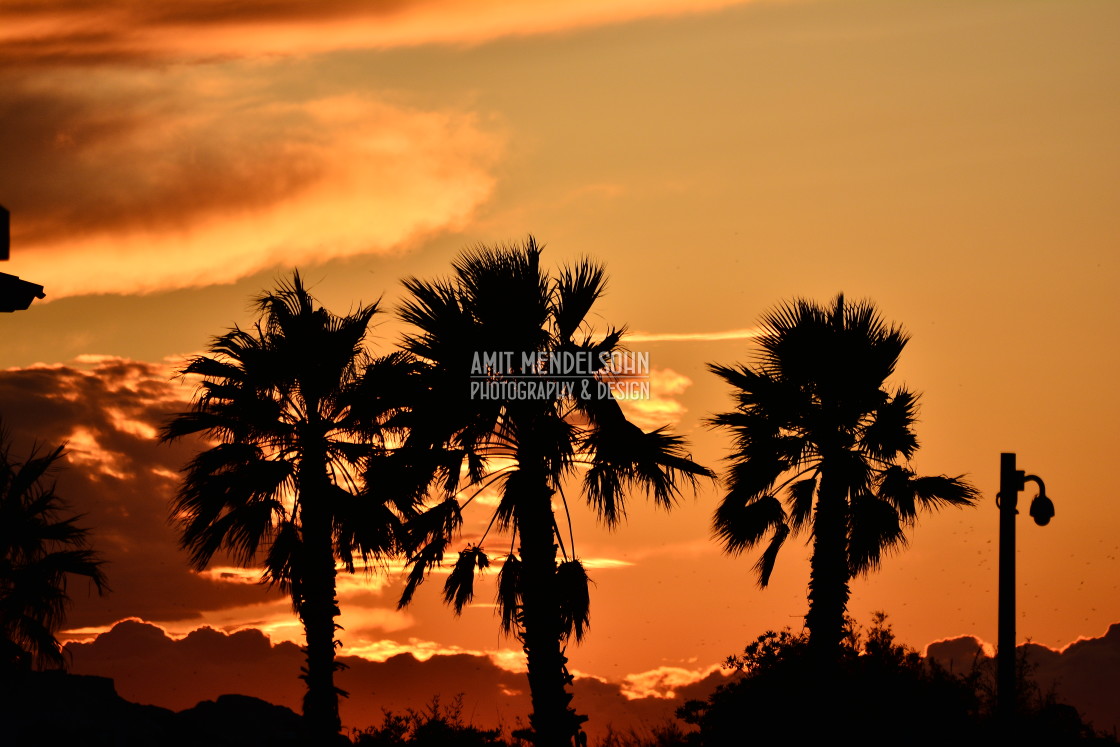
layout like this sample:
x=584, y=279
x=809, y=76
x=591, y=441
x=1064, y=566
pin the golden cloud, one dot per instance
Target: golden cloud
x=185, y=180
x=663, y=682
x=730, y=334
x=662, y=406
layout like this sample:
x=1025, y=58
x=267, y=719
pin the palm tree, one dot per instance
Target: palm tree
x=526, y=446
x=298, y=410
x=39, y=551
x=814, y=423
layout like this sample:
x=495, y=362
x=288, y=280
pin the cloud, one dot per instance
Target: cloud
x=730, y=334
x=661, y=407
x=959, y=654
x=664, y=682
x=150, y=666
x=185, y=159
x=1085, y=674
x=124, y=182
x=67, y=32
x=107, y=411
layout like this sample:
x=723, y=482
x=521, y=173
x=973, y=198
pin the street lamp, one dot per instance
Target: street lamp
x=1012, y=481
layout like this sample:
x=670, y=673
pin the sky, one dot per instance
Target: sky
x=954, y=162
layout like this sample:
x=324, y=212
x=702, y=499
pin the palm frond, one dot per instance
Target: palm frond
x=284, y=563
x=574, y=598
x=577, y=290
x=908, y=492
x=941, y=490
x=440, y=520
x=421, y=564
x=800, y=502
x=365, y=524
x=756, y=476
x=42, y=550
x=458, y=590
x=765, y=565
x=624, y=457
x=889, y=435
x=739, y=524
x=509, y=594
x=875, y=529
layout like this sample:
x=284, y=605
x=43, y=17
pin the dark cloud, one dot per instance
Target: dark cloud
x=210, y=12
x=957, y=654
x=74, y=32
x=65, y=48
x=130, y=14
x=1085, y=674
x=150, y=667
x=121, y=479
x=80, y=161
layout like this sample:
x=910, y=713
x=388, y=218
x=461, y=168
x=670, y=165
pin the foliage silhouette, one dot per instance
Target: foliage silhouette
x=664, y=735
x=436, y=725
x=299, y=410
x=889, y=695
x=40, y=550
x=501, y=300
x=815, y=422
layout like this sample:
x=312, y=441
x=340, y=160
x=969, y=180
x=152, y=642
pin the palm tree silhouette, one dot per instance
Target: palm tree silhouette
x=815, y=422
x=39, y=551
x=526, y=447
x=299, y=410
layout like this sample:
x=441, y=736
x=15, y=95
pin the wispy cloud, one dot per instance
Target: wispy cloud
x=65, y=32
x=730, y=334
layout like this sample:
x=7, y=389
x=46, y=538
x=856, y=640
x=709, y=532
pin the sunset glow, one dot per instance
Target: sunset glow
x=956, y=163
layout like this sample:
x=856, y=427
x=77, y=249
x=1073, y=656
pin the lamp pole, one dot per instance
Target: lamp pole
x=1011, y=482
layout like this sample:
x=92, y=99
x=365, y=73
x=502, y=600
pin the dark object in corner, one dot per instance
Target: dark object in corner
x=56, y=709
x=5, y=233
x=16, y=294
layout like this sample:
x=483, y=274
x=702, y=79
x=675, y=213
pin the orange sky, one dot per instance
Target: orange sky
x=955, y=162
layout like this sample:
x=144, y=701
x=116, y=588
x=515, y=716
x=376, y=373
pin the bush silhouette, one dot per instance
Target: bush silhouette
x=436, y=725
x=880, y=693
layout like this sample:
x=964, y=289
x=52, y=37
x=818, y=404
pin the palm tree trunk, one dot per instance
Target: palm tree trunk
x=553, y=722
x=828, y=576
x=318, y=606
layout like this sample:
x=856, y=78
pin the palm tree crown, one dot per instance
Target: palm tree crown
x=502, y=436
x=39, y=551
x=822, y=446
x=299, y=410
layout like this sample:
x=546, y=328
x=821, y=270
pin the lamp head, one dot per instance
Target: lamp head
x=1042, y=509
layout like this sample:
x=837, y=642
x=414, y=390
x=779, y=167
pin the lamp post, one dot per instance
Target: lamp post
x=1011, y=482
